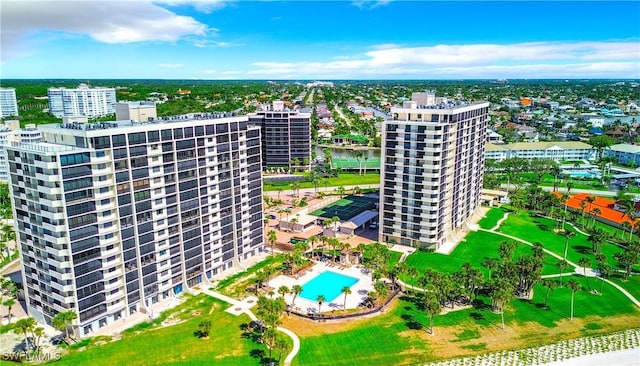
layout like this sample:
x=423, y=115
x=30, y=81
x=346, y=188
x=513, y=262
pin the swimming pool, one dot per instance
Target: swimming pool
x=328, y=284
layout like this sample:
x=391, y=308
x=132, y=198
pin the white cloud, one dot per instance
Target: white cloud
x=171, y=66
x=522, y=60
x=370, y=4
x=23, y=21
x=204, y=6
x=385, y=46
x=207, y=43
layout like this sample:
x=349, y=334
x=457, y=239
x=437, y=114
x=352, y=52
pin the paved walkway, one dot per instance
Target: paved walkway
x=577, y=269
x=503, y=219
x=244, y=307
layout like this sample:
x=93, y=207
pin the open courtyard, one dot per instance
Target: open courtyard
x=359, y=290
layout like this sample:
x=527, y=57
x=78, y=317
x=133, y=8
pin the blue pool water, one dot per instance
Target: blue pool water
x=329, y=284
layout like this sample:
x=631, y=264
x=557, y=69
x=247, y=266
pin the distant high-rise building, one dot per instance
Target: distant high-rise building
x=10, y=132
x=113, y=217
x=432, y=168
x=82, y=101
x=286, y=135
x=8, y=102
x=136, y=111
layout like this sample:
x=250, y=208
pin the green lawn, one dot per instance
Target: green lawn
x=474, y=249
x=177, y=344
x=538, y=229
x=344, y=179
x=394, y=338
x=492, y=218
x=632, y=285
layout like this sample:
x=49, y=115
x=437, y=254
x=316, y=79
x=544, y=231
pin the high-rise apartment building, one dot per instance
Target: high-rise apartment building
x=286, y=135
x=432, y=167
x=114, y=217
x=8, y=102
x=82, y=101
x=10, y=131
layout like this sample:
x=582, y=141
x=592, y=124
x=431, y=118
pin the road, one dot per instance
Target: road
x=320, y=189
x=575, y=190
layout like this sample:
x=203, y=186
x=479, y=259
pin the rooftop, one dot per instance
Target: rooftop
x=627, y=148
x=547, y=145
x=127, y=123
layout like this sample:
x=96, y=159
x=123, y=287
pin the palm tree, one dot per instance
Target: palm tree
x=555, y=171
x=583, y=205
x=320, y=299
x=296, y=188
x=23, y=326
x=597, y=239
x=600, y=143
x=346, y=291
x=37, y=333
x=585, y=263
x=295, y=290
x=283, y=290
x=568, y=235
x=565, y=199
x=562, y=264
x=271, y=235
x=312, y=241
x=433, y=307
x=359, y=156
x=9, y=304
x=69, y=316
x=605, y=271
x=490, y=264
x=590, y=200
x=550, y=285
x=340, y=191
x=596, y=213
x=574, y=286
x=280, y=346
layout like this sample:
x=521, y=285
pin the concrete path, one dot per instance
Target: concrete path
x=503, y=219
x=244, y=307
x=577, y=269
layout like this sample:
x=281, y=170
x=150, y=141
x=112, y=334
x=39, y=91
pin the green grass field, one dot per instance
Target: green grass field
x=346, y=207
x=474, y=249
x=538, y=229
x=177, y=344
x=491, y=218
x=397, y=337
x=344, y=179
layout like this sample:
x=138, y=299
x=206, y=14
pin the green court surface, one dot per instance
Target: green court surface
x=353, y=163
x=346, y=207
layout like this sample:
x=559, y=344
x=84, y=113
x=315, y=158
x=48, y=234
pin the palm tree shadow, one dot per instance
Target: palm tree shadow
x=411, y=322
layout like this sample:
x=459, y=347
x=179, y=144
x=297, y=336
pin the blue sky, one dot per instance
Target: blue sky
x=209, y=39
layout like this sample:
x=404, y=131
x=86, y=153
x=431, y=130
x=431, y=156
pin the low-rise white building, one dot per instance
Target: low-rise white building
x=624, y=153
x=555, y=150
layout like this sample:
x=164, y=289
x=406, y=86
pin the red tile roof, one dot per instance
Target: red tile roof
x=605, y=206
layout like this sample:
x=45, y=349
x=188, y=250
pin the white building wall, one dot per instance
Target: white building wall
x=8, y=102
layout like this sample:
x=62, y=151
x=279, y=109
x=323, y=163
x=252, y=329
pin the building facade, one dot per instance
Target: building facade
x=114, y=217
x=8, y=102
x=554, y=150
x=286, y=136
x=433, y=163
x=9, y=133
x=136, y=111
x=82, y=101
x=625, y=154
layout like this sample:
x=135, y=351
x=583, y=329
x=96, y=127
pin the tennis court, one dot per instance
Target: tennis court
x=346, y=207
x=353, y=164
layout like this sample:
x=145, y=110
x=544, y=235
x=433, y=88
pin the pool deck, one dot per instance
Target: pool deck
x=359, y=290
